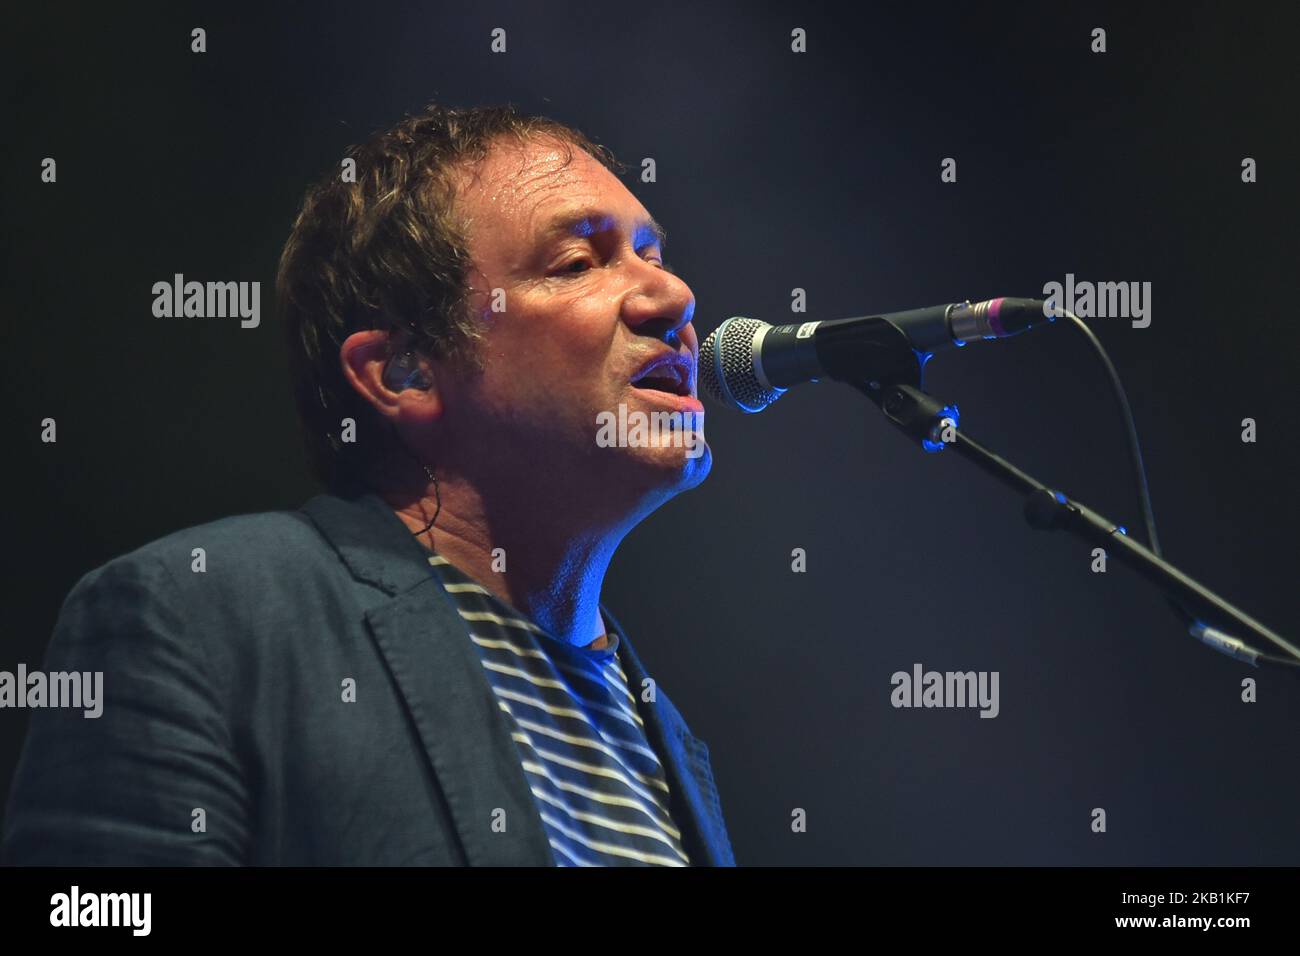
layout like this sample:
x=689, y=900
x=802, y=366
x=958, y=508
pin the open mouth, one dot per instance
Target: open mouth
x=672, y=376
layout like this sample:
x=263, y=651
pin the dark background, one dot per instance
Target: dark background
x=775, y=171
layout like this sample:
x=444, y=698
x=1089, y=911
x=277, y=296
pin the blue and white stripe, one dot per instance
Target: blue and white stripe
x=600, y=789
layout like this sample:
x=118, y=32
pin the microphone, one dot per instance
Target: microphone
x=749, y=364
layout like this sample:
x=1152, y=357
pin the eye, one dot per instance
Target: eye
x=576, y=267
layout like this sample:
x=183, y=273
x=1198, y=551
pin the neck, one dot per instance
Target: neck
x=532, y=558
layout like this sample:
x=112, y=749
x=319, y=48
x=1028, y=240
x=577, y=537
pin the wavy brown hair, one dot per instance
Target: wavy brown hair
x=388, y=252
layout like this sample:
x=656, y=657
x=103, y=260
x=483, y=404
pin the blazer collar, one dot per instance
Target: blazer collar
x=372, y=541
x=442, y=684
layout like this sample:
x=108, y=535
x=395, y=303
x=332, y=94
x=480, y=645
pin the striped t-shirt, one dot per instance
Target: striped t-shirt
x=599, y=787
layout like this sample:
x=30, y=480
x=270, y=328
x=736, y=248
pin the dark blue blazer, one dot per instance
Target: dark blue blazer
x=225, y=738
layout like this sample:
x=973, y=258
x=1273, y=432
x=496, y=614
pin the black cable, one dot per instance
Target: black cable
x=1130, y=428
x=1140, y=473
x=437, y=492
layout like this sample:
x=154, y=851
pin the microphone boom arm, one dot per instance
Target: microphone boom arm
x=929, y=421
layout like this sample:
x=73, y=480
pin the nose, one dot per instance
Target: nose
x=661, y=306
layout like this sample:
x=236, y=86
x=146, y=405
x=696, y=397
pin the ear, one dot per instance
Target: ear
x=364, y=356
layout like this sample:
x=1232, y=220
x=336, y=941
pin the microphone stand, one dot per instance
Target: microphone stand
x=934, y=425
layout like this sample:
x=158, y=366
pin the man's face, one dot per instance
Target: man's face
x=577, y=264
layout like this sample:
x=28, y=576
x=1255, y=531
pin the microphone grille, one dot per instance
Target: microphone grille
x=728, y=370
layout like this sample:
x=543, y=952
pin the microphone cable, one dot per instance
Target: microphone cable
x=1189, y=620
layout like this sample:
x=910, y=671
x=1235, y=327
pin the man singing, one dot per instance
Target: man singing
x=415, y=669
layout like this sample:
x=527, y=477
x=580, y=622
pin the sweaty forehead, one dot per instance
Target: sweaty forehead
x=512, y=172
x=510, y=197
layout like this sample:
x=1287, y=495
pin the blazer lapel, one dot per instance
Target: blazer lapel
x=685, y=758
x=426, y=647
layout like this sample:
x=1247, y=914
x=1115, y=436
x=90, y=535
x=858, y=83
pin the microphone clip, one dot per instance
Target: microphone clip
x=920, y=416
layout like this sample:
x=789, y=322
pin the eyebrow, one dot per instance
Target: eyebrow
x=585, y=222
